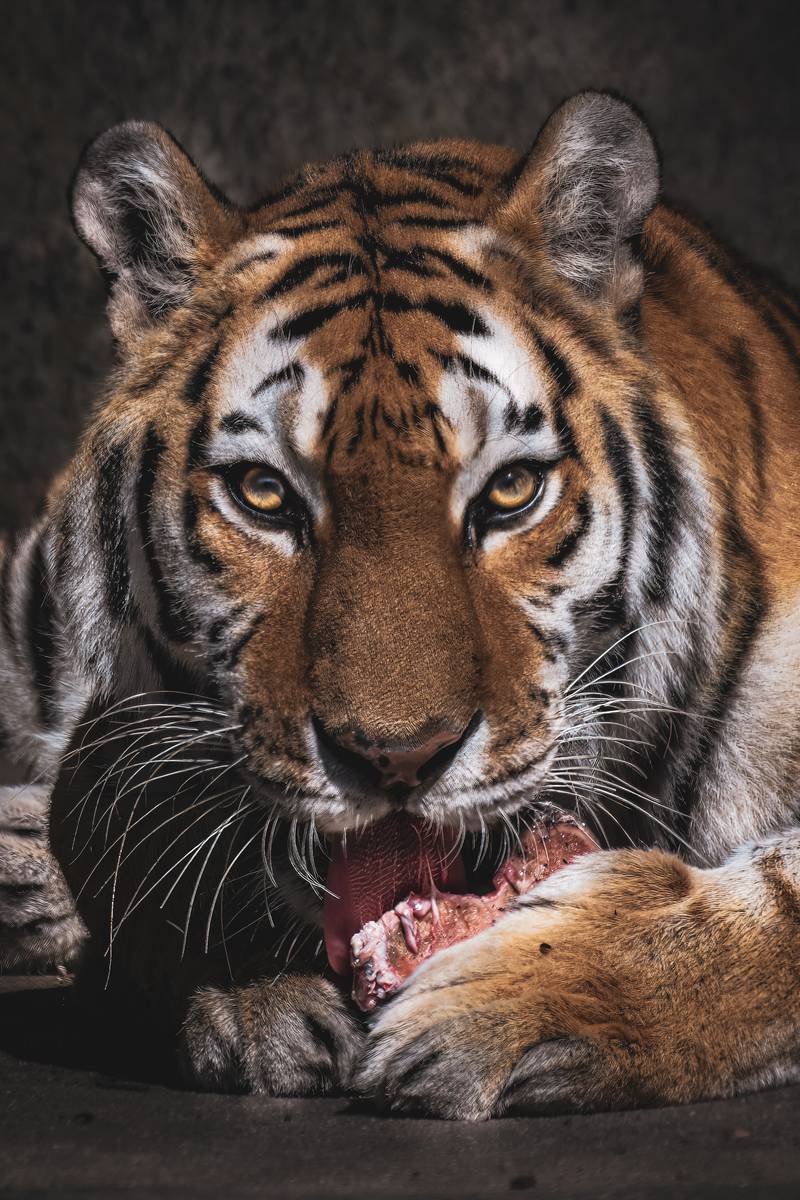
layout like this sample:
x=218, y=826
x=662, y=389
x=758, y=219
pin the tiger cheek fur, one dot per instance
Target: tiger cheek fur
x=444, y=457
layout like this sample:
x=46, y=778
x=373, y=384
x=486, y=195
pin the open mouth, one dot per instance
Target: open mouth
x=400, y=891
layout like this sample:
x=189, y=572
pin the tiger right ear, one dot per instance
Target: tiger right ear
x=580, y=197
x=142, y=206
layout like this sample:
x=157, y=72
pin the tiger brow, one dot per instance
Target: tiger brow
x=263, y=256
x=470, y=367
x=240, y=422
x=291, y=374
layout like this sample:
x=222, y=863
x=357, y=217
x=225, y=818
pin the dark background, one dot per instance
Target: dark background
x=253, y=89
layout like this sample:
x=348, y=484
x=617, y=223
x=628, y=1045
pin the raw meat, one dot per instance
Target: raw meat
x=385, y=951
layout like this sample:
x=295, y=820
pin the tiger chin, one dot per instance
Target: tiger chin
x=442, y=486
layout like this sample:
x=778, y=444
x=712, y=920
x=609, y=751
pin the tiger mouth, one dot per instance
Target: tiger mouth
x=371, y=873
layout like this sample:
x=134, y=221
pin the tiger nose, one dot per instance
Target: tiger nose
x=405, y=765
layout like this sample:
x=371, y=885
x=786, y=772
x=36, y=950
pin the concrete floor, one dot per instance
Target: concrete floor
x=70, y=1126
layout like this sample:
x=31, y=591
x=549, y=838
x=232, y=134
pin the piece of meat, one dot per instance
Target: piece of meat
x=368, y=871
x=384, y=952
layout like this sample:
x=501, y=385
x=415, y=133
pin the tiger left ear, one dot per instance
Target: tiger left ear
x=141, y=205
x=581, y=196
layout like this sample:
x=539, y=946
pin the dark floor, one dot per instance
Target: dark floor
x=70, y=1129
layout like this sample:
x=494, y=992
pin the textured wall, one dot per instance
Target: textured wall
x=254, y=88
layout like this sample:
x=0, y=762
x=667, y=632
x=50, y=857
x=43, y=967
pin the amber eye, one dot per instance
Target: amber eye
x=260, y=489
x=512, y=488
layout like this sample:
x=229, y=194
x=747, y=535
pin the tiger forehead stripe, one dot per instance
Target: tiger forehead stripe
x=302, y=270
x=302, y=275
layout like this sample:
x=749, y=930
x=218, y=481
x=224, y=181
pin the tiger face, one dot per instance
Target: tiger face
x=380, y=502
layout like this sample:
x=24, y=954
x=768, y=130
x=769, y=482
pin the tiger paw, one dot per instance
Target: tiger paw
x=287, y=1037
x=612, y=985
x=39, y=927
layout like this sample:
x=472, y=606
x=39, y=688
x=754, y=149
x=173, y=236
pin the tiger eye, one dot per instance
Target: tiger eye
x=261, y=490
x=513, y=487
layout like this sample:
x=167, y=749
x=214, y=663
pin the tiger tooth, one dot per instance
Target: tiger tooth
x=409, y=925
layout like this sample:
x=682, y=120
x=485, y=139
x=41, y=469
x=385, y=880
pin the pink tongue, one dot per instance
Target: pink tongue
x=371, y=871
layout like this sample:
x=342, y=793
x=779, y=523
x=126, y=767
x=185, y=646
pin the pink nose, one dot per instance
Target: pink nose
x=404, y=766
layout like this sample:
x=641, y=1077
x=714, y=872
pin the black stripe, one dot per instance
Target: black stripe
x=302, y=230
x=456, y=317
x=316, y=201
x=408, y=371
x=41, y=632
x=197, y=447
x=568, y=545
x=351, y=371
x=265, y=256
x=238, y=646
x=475, y=371
x=410, y=262
x=112, y=529
x=513, y=176
x=171, y=620
x=550, y=640
x=665, y=487
x=564, y=379
x=198, y=380
x=469, y=366
x=537, y=301
x=302, y=270
x=240, y=422
x=436, y=222
x=294, y=373
x=619, y=457
x=330, y=417
x=194, y=544
x=434, y=415
x=527, y=422
x=464, y=272
x=559, y=369
x=305, y=323
x=439, y=167
x=356, y=437
x=220, y=626
x=743, y=604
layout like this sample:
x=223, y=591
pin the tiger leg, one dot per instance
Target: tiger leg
x=628, y=978
x=39, y=927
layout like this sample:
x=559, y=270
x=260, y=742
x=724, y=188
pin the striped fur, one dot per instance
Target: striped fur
x=386, y=331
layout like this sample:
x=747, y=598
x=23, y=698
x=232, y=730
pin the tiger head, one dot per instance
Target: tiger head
x=364, y=470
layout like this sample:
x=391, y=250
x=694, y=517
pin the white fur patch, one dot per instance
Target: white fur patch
x=474, y=405
x=286, y=413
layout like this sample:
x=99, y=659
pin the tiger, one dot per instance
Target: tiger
x=441, y=486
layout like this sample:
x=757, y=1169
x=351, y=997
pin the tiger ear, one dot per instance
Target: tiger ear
x=583, y=192
x=143, y=208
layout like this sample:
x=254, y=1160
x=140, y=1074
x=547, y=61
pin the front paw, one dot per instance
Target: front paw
x=566, y=1004
x=39, y=927
x=287, y=1037
x=468, y=1039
